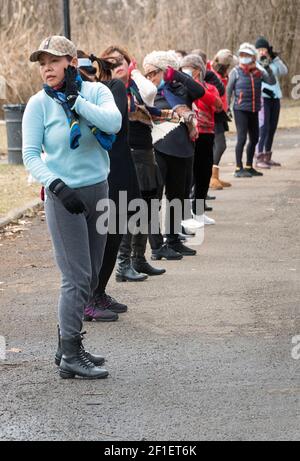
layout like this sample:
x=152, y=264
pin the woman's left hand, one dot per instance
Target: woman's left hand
x=71, y=85
x=169, y=74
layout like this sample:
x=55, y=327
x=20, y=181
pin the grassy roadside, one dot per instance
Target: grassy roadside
x=289, y=115
x=14, y=188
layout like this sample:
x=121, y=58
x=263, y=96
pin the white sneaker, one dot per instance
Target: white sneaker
x=192, y=224
x=188, y=232
x=205, y=220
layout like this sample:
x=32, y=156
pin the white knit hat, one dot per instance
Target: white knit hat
x=248, y=48
x=162, y=60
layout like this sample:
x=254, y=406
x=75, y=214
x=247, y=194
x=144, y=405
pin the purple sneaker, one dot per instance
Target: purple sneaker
x=92, y=313
x=105, y=301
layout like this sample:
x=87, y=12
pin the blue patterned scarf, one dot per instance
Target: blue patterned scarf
x=104, y=139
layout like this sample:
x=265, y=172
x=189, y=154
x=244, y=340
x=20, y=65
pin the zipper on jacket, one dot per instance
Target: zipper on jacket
x=253, y=93
x=240, y=98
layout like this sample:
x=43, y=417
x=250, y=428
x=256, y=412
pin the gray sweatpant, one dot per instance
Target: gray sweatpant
x=79, y=251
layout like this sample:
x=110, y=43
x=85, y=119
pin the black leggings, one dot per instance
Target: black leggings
x=110, y=257
x=220, y=147
x=203, y=164
x=176, y=173
x=271, y=119
x=246, y=123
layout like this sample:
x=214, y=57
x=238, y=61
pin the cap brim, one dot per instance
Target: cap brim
x=248, y=51
x=36, y=55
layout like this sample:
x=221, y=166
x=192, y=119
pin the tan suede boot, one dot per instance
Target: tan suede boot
x=224, y=183
x=215, y=183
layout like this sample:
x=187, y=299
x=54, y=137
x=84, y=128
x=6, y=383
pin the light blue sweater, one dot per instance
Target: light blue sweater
x=45, y=127
x=279, y=70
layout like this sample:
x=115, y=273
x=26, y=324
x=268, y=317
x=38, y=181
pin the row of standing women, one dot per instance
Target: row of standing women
x=164, y=130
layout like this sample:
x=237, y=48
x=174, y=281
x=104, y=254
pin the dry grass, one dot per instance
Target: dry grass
x=141, y=26
x=289, y=116
x=15, y=190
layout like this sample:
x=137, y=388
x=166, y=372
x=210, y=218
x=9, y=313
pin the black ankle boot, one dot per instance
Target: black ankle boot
x=141, y=265
x=126, y=273
x=74, y=361
x=97, y=360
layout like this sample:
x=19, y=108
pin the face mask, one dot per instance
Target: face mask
x=162, y=84
x=246, y=61
x=187, y=71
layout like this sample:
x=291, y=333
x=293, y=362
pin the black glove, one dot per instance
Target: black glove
x=272, y=53
x=265, y=62
x=69, y=197
x=71, y=91
x=229, y=115
x=269, y=93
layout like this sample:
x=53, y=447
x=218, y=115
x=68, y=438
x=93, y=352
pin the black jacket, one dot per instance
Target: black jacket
x=178, y=143
x=122, y=175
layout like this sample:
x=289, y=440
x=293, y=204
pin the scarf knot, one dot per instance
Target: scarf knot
x=105, y=140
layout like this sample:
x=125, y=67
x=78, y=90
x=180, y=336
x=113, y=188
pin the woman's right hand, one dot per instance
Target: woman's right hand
x=132, y=66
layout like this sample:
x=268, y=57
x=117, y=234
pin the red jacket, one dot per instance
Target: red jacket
x=206, y=112
x=224, y=80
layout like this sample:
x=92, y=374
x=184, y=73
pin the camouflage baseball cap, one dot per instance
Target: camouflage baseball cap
x=56, y=45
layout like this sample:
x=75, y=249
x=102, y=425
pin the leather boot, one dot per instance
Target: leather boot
x=97, y=360
x=141, y=265
x=125, y=272
x=75, y=363
x=261, y=162
x=215, y=182
x=224, y=183
x=269, y=161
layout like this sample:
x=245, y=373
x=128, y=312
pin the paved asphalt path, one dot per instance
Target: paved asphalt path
x=204, y=353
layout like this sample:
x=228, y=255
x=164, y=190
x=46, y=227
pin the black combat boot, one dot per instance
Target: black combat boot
x=74, y=361
x=95, y=359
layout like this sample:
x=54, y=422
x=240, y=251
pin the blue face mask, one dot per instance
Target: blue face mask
x=246, y=61
x=162, y=84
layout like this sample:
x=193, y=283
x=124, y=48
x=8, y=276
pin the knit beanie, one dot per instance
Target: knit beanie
x=225, y=58
x=262, y=42
x=162, y=60
x=195, y=61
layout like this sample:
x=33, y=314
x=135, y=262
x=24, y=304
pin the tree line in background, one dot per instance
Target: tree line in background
x=142, y=26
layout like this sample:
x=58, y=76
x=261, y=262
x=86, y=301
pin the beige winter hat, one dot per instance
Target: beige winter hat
x=226, y=58
x=161, y=60
x=195, y=61
x=56, y=45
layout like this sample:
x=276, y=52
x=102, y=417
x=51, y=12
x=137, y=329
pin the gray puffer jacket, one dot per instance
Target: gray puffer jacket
x=247, y=87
